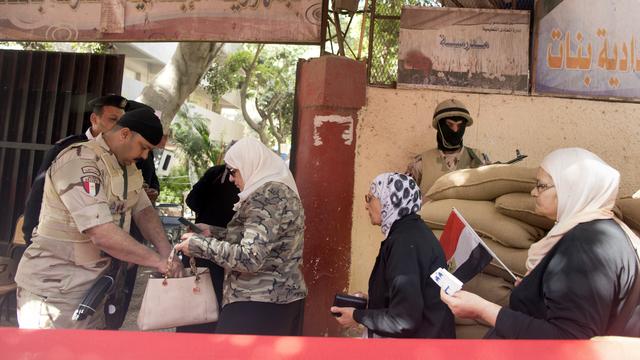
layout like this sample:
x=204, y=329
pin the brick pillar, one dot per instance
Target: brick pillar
x=330, y=91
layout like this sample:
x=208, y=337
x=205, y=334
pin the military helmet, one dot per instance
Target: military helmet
x=450, y=109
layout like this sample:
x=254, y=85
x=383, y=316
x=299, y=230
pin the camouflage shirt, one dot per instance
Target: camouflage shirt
x=261, y=248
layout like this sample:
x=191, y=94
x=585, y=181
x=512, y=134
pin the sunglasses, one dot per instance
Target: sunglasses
x=232, y=171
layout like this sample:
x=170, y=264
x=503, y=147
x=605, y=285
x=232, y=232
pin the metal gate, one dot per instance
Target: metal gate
x=43, y=97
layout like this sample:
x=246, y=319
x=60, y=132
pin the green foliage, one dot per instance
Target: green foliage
x=84, y=47
x=386, y=33
x=92, y=47
x=270, y=84
x=224, y=74
x=384, y=52
x=394, y=7
x=191, y=133
x=175, y=185
x=29, y=45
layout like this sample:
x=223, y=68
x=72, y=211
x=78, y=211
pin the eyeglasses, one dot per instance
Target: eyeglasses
x=368, y=198
x=232, y=171
x=540, y=187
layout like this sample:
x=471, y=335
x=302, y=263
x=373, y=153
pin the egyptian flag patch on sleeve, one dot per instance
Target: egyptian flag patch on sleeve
x=91, y=184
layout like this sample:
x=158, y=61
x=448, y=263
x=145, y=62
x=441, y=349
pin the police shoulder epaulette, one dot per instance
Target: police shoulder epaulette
x=71, y=139
x=68, y=143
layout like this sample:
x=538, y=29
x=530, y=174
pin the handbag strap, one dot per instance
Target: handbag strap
x=192, y=265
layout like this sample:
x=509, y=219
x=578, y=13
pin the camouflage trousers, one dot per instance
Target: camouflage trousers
x=41, y=312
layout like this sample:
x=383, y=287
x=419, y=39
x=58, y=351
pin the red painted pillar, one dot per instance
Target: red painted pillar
x=330, y=91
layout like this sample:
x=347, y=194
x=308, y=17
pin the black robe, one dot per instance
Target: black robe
x=577, y=290
x=403, y=300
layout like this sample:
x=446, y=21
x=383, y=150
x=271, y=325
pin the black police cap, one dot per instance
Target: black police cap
x=144, y=122
x=135, y=105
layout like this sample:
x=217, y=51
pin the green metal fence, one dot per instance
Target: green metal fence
x=384, y=31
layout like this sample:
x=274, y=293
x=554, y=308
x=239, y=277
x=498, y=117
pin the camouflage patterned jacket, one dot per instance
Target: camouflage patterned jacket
x=261, y=248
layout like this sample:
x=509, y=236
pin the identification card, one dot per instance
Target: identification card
x=447, y=282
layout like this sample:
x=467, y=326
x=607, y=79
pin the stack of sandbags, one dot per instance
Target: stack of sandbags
x=495, y=201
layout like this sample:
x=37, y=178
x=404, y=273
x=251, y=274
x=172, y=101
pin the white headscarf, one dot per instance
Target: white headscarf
x=257, y=165
x=587, y=188
x=399, y=196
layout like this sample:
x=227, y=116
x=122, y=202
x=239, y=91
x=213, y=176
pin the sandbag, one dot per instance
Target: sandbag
x=522, y=206
x=630, y=209
x=483, y=183
x=513, y=258
x=461, y=321
x=471, y=331
x=492, y=288
x=485, y=220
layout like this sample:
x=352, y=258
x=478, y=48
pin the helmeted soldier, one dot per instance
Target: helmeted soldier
x=450, y=119
x=92, y=190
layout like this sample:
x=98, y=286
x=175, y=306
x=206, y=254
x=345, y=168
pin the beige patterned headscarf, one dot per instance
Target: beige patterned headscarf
x=258, y=165
x=587, y=188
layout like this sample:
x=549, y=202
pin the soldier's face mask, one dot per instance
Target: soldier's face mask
x=450, y=133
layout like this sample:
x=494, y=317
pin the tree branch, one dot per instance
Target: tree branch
x=257, y=127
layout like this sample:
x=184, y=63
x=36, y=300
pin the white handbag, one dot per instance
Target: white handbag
x=171, y=302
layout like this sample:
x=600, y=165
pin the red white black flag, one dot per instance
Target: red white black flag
x=91, y=184
x=466, y=253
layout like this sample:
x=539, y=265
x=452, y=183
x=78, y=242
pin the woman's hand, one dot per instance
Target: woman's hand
x=184, y=245
x=467, y=305
x=206, y=229
x=346, y=316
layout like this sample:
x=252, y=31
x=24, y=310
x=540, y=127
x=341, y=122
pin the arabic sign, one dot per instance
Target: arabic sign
x=589, y=51
x=290, y=21
x=482, y=50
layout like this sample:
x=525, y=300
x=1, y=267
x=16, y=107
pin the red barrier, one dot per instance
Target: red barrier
x=110, y=345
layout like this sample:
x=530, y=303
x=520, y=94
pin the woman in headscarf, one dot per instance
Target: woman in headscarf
x=583, y=276
x=403, y=300
x=261, y=248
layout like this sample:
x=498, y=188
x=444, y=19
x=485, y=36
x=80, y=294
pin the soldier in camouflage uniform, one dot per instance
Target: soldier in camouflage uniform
x=261, y=248
x=450, y=119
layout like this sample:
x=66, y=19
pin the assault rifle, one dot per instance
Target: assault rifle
x=519, y=157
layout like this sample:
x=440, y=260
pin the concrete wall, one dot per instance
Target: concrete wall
x=394, y=125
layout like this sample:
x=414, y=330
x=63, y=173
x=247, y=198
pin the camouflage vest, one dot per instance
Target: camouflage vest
x=433, y=165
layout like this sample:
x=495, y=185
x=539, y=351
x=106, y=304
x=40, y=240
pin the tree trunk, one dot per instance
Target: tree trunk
x=179, y=78
x=257, y=127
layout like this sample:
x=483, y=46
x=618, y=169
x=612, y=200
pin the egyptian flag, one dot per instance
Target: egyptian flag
x=465, y=252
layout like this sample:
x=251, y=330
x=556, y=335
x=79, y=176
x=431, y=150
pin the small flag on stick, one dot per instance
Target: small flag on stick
x=466, y=253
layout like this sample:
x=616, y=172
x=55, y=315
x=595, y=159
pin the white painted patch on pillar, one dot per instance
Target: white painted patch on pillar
x=347, y=134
